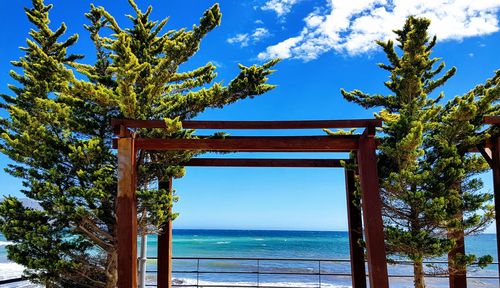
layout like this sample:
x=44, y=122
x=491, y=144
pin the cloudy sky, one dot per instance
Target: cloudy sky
x=325, y=45
x=352, y=27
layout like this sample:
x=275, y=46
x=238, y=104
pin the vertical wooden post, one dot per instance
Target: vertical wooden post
x=358, y=273
x=164, y=274
x=372, y=211
x=495, y=166
x=126, y=213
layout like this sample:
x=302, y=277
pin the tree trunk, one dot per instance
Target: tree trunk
x=457, y=272
x=112, y=270
x=418, y=274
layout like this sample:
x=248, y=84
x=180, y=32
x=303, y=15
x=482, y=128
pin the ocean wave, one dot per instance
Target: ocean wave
x=10, y=270
x=5, y=243
x=194, y=282
x=223, y=242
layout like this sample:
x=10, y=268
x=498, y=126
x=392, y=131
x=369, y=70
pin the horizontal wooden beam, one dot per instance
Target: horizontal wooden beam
x=492, y=120
x=305, y=124
x=249, y=162
x=341, y=143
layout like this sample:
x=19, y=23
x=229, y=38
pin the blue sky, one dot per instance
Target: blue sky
x=326, y=45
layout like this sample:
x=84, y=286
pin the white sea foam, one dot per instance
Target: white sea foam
x=10, y=270
x=187, y=282
x=5, y=243
x=223, y=242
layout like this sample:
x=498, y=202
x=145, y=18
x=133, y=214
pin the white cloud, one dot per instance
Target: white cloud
x=280, y=7
x=260, y=33
x=351, y=27
x=246, y=39
x=242, y=39
x=259, y=22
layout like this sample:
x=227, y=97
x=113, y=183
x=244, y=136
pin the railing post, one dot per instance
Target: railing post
x=319, y=273
x=355, y=226
x=198, y=273
x=372, y=211
x=126, y=213
x=258, y=273
x=165, y=244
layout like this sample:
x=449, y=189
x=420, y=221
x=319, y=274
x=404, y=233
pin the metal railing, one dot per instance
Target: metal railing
x=258, y=269
x=318, y=269
x=10, y=281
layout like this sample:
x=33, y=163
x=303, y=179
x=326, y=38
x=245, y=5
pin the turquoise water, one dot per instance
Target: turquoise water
x=280, y=244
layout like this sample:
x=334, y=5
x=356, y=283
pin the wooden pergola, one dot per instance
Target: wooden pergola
x=364, y=145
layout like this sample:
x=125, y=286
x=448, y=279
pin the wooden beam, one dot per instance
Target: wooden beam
x=344, y=143
x=355, y=225
x=495, y=120
x=372, y=213
x=164, y=274
x=126, y=213
x=486, y=152
x=496, y=188
x=303, y=124
x=249, y=162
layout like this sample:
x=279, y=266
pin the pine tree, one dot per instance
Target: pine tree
x=455, y=170
x=33, y=137
x=58, y=133
x=412, y=213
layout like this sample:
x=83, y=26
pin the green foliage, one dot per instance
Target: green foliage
x=59, y=136
x=428, y=180
x=459, y=128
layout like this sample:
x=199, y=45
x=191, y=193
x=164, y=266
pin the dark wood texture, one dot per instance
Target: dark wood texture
x=304, y=124
x=372, y=213
x=355, y=225
x=249, y=162
x=164, y=274
x=126, y=213
x=496, y=188
x=256, y=144
x=492, y=120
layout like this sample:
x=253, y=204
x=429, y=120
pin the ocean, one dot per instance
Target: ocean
x=275, y=245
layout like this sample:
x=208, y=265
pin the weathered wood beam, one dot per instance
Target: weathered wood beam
x=344, y=143
x=304, y=124
x=372, y=213
x=491, y=120
x=164, y=274
x=249, y=162
x=355, y=226
x=496, y=187
x=126, y=213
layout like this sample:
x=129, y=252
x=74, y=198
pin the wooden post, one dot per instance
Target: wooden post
x=126, y=213
x=496, y=187
x=164, y=274
x=372, y=212
x=358, y=273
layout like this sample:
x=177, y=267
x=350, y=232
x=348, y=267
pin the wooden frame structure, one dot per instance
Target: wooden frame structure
x=363, y=145
x=491, y=153
x=490, y=150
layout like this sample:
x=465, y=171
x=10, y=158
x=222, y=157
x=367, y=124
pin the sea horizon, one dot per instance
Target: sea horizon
x=274, y=244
